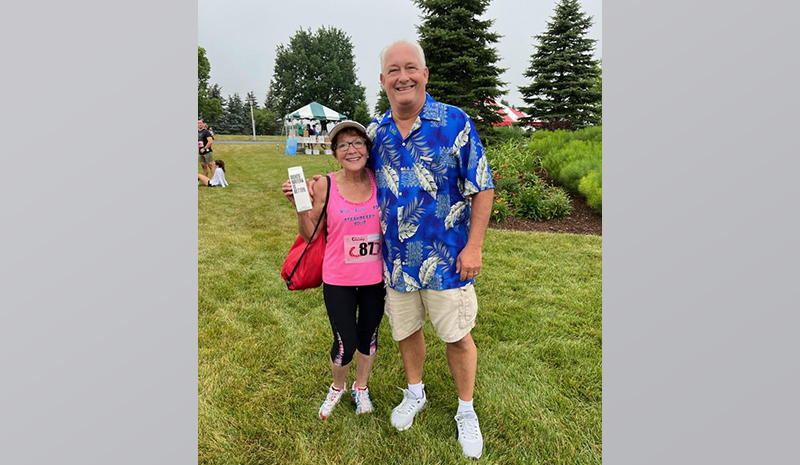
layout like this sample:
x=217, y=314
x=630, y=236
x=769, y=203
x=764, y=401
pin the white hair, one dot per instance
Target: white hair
x=416, y=45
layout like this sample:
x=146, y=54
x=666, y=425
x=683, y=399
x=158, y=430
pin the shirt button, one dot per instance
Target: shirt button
x=404, y=144
x=401, y=194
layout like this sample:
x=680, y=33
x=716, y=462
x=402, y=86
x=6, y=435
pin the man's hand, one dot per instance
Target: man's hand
x=313, y=181
x=468, y=263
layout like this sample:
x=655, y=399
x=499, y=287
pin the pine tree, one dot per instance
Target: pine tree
x=564, y=93
x=460, y=57
x=237, y=116
x=251, y=98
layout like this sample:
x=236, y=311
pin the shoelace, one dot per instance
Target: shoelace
x=333, y=397
x=468, y=429
x=362, y=396
x=408, y=403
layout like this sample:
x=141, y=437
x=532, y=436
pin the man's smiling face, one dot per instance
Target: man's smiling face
x=404, y=77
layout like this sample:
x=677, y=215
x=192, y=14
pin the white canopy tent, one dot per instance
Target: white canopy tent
x=314, y=114
x=318, y=116
x=315, y=111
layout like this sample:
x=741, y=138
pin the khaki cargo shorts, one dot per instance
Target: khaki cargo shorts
x=207, y=157
x=452, y=312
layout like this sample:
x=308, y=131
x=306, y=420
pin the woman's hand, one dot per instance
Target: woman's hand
x=287, y=190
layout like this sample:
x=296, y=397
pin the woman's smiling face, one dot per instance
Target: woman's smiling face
x=349, y=156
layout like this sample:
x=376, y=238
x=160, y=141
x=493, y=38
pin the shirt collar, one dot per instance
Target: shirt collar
x=425, y=113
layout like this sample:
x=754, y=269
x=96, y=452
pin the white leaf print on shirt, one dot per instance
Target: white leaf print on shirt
x=392, y=179
x=426, y=179
x=428, y=269
x=467, y=189
x=411, y=284
x=456, y=211
x=397, y=270
x=482, y=175
x=462, y=138
x=408, y=218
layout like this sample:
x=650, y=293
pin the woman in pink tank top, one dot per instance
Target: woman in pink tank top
x=352, y=271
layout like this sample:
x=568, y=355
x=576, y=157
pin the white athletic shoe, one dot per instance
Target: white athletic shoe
x=330, y=401
x=362, y=400
x=469, y=434
x=403, y=414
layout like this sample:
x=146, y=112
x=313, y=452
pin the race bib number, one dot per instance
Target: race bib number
x=362, y=249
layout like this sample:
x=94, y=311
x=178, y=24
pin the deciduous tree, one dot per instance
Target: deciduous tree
x=208, y=107
x=316, y=67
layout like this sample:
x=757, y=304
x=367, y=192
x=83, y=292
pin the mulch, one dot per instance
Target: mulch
x=582, y=220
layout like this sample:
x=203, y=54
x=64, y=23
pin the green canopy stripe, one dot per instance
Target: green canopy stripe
x=317, y=110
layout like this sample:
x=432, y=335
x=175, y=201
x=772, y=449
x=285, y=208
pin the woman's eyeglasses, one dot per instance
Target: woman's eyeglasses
x=344, y=146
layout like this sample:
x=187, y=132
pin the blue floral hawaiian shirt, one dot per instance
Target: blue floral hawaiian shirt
x=424, y=183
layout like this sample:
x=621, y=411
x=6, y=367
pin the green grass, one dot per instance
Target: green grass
x=263, y=350
x=249, y=137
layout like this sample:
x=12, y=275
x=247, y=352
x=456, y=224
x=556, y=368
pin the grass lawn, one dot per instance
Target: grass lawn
x=264, y=350
x=248, y=138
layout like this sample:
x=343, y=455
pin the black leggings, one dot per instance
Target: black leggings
x=349, y=334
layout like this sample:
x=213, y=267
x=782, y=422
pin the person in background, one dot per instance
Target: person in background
x=205, y=139
x=311, y=133
x=217, y=175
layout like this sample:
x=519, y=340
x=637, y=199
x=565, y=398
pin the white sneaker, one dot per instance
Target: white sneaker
x=362, y=400
x=330, y=401
x=403, y=414
x=469, y=434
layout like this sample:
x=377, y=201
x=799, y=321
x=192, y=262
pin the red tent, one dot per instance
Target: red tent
x=509, y=115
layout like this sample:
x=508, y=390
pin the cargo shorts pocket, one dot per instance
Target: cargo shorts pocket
x=467, y=307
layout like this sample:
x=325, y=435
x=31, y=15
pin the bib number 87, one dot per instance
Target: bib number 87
x=366, y=248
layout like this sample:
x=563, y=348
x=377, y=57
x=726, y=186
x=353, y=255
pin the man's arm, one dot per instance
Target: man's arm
x=209, y=143
x=469, y=260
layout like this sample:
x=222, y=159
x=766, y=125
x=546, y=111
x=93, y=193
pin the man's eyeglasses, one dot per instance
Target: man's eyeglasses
x=344, y=146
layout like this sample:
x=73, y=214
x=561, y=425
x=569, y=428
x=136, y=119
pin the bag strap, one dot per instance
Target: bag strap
x=313, y=234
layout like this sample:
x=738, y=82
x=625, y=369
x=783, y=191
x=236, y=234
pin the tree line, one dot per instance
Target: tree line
x=565, y=91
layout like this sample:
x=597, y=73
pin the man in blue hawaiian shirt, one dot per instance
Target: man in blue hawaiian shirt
x=435, y=193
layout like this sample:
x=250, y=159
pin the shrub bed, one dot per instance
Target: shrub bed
x=518, y=191
x=572, y=158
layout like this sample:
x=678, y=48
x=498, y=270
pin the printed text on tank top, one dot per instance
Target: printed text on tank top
x=358, y=248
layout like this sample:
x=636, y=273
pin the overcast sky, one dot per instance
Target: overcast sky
x=240, y=36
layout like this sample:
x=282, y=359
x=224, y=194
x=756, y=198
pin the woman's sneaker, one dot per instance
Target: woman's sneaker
x=334, y=395
x=362, y=400
x=403, y=414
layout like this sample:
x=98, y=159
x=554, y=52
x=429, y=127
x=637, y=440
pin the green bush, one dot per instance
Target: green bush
x=501, y=134
x=572, y=173
x=570, y=152
x=541, y=202
x=506, y=179
x=515, y=154
x=555, y=204
x=500, y=211
x=591, y=187
x=528, y=202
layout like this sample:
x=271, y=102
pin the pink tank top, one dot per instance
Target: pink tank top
x=353, y=253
